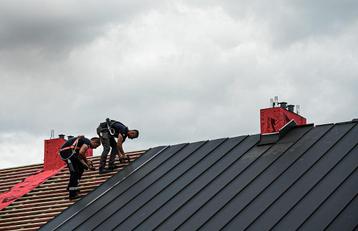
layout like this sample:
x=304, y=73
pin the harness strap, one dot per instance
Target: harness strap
x=73, y=147
x=70, y=165
x=69, y=147
x=110, y=129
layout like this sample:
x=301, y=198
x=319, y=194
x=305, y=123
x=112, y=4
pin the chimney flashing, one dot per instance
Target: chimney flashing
x=274, y=137
x=273, y=119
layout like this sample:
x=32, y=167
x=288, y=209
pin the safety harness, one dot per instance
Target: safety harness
x=110, y=129
x=73, y=147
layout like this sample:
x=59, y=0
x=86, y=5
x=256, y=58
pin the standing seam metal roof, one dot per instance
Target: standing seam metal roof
x=306, y=181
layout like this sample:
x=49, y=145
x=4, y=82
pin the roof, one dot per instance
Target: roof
x=308, y=180
x=48, y=199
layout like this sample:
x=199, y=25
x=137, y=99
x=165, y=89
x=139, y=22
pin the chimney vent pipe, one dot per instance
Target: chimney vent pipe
x=272, y=104
x=283, y=105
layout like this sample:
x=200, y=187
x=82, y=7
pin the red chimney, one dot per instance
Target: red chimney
x=273, y=119
x=52, y=159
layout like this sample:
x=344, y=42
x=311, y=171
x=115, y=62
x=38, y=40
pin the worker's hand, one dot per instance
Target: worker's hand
x=123, y=157
x=90, y=165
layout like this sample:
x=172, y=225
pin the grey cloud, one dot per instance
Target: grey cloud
x=59, y=26
x=294, y=20
x=178, y=72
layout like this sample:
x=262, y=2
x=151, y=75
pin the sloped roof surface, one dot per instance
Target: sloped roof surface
x=308, y=180
x=48, y=199
x=11, y=176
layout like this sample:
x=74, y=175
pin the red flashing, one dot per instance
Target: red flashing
x=272, y=119
x=20, y=189
x=52, y=165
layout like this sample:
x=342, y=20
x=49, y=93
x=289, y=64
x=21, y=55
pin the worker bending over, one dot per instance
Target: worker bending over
x=108, y=131
x=73, y=152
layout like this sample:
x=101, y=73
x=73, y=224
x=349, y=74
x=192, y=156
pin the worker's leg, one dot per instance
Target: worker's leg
x=73, y=166
x=80, y=173
x=113, y=154
x=106, y=148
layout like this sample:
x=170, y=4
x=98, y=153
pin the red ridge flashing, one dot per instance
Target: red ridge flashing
x=28, y=184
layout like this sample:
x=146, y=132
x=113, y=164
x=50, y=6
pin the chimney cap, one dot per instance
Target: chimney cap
x=69, y=137
x=62, y=136
x=283, y=104
x=291, y=107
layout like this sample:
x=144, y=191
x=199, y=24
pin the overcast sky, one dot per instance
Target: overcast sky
x=178, y=71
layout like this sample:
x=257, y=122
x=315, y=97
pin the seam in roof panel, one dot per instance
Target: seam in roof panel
x=327, y=124
x=101, y=194
x=340, y=212
x=333, y=145
x=189, y=183
x=346, y=122
x=319, y=181
x=343, y=157
x=299, y=175
x=188, y=168
x=197, y=162
x=224, y=170
x=213, y=159
x=254, y=142
x=210, y=181
x=279, y=175
x=260, y=191
x=254, y=178
x=282, y=193
x=181, y=146
x=328, y=197
x=127, y=202
x=215, y=194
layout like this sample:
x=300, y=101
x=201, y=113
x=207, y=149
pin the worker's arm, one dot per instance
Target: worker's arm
x=119, y=145
x=82, y=154
x=83, y=151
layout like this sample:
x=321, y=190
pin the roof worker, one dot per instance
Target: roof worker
x=73, y=152
x=108, y=131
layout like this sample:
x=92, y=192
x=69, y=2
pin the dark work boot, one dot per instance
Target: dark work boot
x=112, y=167
x=103, y=170
x=74, y=195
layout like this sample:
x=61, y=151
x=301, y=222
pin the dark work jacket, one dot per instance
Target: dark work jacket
x=65, y=154
x=117, y=128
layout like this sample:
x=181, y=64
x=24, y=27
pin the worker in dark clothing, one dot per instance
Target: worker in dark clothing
x=108, y=131
x=73, y=152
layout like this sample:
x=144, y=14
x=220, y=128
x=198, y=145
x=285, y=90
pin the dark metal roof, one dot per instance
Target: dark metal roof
x=308, y=180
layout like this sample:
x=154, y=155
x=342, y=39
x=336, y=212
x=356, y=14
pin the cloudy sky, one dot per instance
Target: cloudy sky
x=178, y=71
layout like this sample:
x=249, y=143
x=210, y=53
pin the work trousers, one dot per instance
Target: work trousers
x=108, y=142
x=76, y=170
